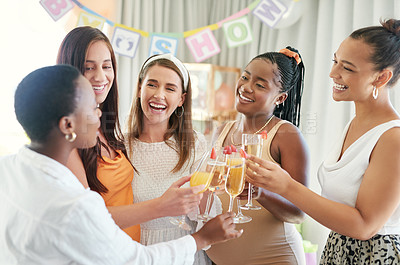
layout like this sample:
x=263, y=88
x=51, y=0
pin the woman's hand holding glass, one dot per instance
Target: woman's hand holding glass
x=210, y=173
x=178, y=201
x=252, y=144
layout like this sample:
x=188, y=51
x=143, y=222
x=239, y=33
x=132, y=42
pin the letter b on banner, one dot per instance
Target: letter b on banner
x=57, y=8
x=237, y=32
x=203, y=45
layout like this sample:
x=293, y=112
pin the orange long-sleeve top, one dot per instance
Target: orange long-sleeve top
x=117, y=175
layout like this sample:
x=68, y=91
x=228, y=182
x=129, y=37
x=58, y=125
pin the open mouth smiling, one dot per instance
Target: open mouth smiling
x=244, y=98
x=340, y=87
x=157, y=106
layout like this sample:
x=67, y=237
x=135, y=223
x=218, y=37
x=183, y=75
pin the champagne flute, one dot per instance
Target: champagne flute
x=252, y=144
x=201, y=176
x=217, y=165
x=234, y=183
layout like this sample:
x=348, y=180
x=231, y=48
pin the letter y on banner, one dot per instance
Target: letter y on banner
x=203, y=45
x=57, y=8
x=270, y=11
x=86, y=19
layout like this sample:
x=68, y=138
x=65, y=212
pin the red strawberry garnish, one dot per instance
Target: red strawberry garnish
x=234, y=150
x=243, y=153
x=213, y=154
x=227, y=150
x=264, y=135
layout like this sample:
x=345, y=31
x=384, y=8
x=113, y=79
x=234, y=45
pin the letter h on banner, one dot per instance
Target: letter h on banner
x=265, y=9
x=203, y=45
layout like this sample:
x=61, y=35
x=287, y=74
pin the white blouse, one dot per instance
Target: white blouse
x=154, y=163
x=47, y=217
x=340, y=180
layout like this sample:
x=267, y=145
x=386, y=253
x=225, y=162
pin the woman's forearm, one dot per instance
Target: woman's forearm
x=137, y=213
x=281, y=208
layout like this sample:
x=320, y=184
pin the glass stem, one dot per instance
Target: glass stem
x=207, y=210
x=230, y=203
x=238, y=206
x=250, y=196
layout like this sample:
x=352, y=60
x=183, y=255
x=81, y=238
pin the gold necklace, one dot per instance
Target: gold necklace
x=265, y=125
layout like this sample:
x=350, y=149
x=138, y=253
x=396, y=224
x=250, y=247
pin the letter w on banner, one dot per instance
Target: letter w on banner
x=203, y=45
x=270, y=11
x=57, y=8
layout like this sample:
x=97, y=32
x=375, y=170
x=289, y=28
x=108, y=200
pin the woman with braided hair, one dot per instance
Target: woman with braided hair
x=360, y=178
x=268, y=96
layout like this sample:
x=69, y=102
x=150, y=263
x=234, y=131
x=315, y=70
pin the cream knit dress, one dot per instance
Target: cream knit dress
x=154, y=163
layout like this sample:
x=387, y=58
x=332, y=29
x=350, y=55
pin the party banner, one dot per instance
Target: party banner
x=203, y=45
x=162, y=44
x=125, y=42
x=200, y=41
x=270, y=11
x=86, y=19
x=57, y=8
x=238, y=32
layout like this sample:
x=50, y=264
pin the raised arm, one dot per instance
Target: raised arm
x=289, y=149
x=378, y=196
x=174, y=202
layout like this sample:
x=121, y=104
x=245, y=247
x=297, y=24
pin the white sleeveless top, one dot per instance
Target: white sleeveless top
x=341, y=180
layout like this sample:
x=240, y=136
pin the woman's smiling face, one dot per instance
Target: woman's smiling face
x=258, y=88
x=99, y=70
x=352, y=71
x=160, y=94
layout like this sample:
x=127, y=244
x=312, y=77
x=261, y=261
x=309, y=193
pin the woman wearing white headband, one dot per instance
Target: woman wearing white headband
x=105, y=168
x=162, y=144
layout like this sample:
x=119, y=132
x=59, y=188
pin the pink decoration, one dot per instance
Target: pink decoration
x=234, y=16
x=203, y=45
x=57, y=8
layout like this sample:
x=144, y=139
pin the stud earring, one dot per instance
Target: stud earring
x=277, y=103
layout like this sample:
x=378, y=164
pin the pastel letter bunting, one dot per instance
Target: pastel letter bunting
x=270, y=11
x=57, y=8
x=237, y=32
x=162, y=44
x=86, y=19
x=203, y=45
x=125, y=42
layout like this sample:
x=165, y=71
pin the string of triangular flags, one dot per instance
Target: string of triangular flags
x=201, y=41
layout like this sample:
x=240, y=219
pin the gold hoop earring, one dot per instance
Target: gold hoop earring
x=70, y=137
x=375, y=93
x=181, y=113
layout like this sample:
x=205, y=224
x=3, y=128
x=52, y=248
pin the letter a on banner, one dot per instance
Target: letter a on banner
x=125, y=42
x=86, y=19
x=203, y=45
x=238, y=32
x=162, y=44
x=270, y=11
x=57, y=8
